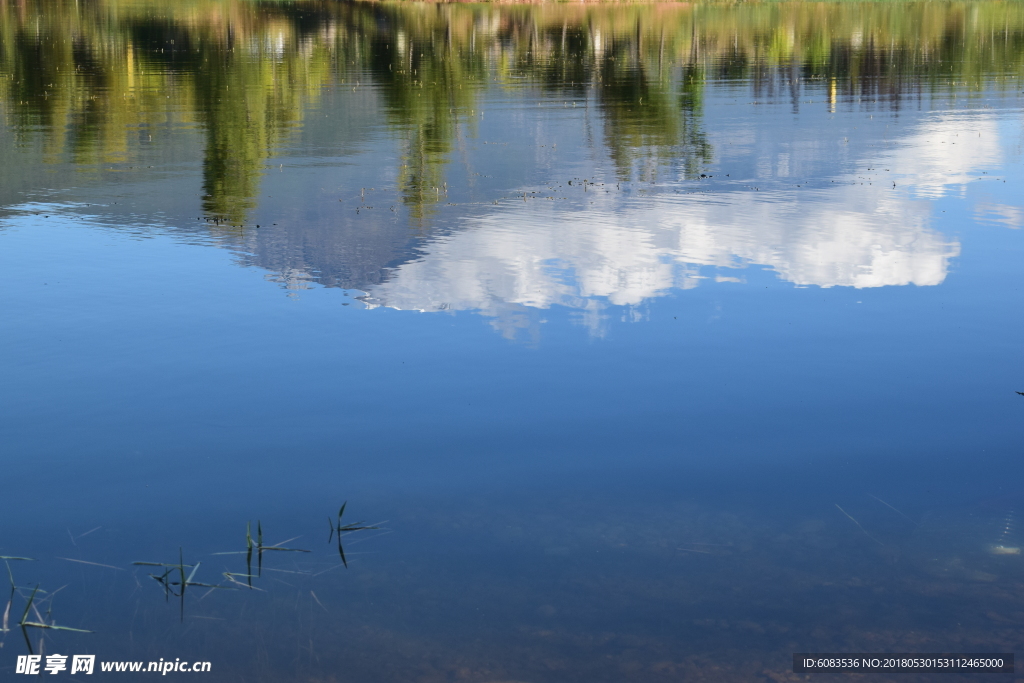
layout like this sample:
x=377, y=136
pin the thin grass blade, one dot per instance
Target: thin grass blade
x=181, y=573
x=341, y=551
x=95, y=564
x=28, y=606
x=188, y=581
x=54, y=627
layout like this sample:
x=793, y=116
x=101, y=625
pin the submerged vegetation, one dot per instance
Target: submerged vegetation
x=41, y=621
x=96, y=83
x=31, y=616
x=174, y=577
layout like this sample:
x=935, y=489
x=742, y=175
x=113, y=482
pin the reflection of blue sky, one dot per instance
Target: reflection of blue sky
x=824, y=214
x=853, y=229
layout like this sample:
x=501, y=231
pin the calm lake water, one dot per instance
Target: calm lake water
x=659, y=341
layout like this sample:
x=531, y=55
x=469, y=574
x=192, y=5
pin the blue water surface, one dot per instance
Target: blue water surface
x=623, y=405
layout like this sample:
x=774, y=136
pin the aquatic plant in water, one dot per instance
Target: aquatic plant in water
x=260, y=549
x=40, y=621
x=177, y=587
x=338, y=528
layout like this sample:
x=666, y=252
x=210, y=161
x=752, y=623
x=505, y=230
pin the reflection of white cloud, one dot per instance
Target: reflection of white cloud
x=538, y=258
x=947, y=150
x=625, y=251
x=1001, y=214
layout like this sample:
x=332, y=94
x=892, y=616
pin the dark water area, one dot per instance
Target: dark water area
x=658, y=341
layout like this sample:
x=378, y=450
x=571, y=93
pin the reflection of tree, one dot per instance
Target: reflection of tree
x=652, y=124
x=246, y=98
x=57, y=84
x=428, y=77
x=92, y=76
x=649, y=98
x=97, y=77
x=246, y=103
